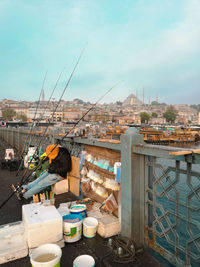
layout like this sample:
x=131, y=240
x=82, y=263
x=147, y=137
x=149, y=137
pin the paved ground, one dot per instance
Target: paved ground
x=11, y=212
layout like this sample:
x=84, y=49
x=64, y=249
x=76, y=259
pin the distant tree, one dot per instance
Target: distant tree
x=79, y=101
x=170, y=114
x=154, y=103
x=144, y=117
x=154, y=115
x=197, y=107
x=21, y=116
x=8, y=113
x=119, y=103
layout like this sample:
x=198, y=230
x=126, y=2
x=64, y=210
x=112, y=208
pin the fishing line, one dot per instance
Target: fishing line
x=88, y=111
x=67, y=84
x=41, y=119
x=38, y=104
x=24, y=180
x=59, y=141
x=29, y=135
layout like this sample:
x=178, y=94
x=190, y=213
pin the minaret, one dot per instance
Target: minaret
x=157, y=98
x=143, y=95
x=43, y=96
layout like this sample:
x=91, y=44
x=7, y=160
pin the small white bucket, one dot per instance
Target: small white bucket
x=84, y=261
x=47, y=255
x=90, y=227
x=79, y=209
x=72, y=227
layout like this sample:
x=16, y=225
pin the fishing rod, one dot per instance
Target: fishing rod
x=19, y=186
x=92, y=107
x=60, y=97
x=31, y=125
x=41, y=119
x=22, y=179
x=59, y=141
x=64, y=90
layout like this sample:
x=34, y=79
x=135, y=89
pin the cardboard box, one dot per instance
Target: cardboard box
x=60, y=187
x=108, y=226
x=74, y=185
x=75, y=167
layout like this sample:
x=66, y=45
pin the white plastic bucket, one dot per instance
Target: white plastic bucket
x=90, y=227
x=84, y=261
x=79, y=209
x=72, y=227
x=47, y=255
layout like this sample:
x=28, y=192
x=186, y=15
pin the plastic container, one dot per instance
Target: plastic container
x=90, y=227
x=63, y=211
x=52, y=201
x=84, y=261
x=79, y=209
x=47, y=255
x=72, y=227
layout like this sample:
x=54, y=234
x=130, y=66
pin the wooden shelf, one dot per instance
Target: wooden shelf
x=103, y=172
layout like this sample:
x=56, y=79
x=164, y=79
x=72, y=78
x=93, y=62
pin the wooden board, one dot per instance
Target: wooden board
x=180, y=153
x=75, y=167
x=104, y=153
x=74, y=185
x=109, y=141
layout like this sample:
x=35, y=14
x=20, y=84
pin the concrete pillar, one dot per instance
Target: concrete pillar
x=132, y=187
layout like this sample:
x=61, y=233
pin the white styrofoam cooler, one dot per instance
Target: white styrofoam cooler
x=43, y=224
x=13, y=242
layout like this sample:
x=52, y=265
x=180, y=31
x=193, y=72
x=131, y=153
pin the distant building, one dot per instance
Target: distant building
x=72, y=114
x=57, y=115
x=157, y=120
x=132, y=100
x=40, y=113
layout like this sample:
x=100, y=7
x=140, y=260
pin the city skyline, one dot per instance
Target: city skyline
x=123, y=101
x=152, y=45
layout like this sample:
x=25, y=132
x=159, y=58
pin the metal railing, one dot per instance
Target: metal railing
x=164, y=200
x=160, y=193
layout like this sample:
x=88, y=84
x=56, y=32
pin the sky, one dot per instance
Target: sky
x=150, y=44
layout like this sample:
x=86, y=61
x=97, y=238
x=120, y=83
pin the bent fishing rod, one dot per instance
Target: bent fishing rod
x=58, y=101
x=26, y=179
x=92, y=107
x=59, y=141
x=41, y=119
x=63, y=92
